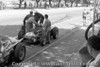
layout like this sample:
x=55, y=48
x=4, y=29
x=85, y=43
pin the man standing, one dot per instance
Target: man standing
x=25, y=5
x=26, y=18
x=84, y=17
x=47, y=26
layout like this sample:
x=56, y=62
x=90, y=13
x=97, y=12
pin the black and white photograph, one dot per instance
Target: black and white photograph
x=49, y=33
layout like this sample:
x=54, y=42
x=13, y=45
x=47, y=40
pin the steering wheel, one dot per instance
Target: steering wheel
x=89, y=27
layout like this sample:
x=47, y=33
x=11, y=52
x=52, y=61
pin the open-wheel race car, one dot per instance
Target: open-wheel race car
x=11, y=50
x=38, y=35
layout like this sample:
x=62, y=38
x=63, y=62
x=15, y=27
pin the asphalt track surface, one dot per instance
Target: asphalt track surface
x=71, y=42
x=34, y=52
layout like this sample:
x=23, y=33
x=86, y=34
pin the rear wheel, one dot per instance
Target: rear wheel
x=54, y=32
x=20, y=52
x=54, y=37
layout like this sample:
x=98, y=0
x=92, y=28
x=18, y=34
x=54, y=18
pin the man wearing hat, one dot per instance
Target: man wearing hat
x=26, y=18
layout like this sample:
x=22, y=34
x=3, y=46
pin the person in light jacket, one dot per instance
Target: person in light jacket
x=47, y=26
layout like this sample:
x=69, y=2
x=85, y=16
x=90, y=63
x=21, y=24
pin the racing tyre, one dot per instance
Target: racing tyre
x=20, y=52
x=54, y=32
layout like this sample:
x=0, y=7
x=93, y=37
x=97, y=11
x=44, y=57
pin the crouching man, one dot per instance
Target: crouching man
x=47, y=26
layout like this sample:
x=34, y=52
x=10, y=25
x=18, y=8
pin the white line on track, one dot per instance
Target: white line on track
x=76, y=29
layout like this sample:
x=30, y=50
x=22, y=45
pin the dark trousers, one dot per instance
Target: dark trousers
x=48, y=36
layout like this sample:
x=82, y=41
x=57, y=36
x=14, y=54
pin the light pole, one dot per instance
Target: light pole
x=94, y=16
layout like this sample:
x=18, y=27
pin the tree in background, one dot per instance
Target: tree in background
x=37, y=1
x=72, y=1
x=59, y=3
x=77, y=2
x=20, y=3
x=66, y=2
x=50, y=3
x=86, y=2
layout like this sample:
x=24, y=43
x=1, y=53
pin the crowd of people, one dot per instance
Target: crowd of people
x=89, y=14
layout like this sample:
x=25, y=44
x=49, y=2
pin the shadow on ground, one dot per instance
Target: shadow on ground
x=12, y=30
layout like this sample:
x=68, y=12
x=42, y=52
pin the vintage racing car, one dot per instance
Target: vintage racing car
x=38, y=35
x=11, y=50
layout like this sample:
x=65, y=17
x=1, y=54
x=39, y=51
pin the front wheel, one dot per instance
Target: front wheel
x=20, y=52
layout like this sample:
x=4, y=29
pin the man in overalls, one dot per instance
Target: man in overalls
x=47, y=26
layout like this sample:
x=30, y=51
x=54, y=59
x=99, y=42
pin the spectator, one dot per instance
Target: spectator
x=25, y=5
x=84, y=17
x=47, y=26
x=91, y=14
x=97, y=13
x=30, y=5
